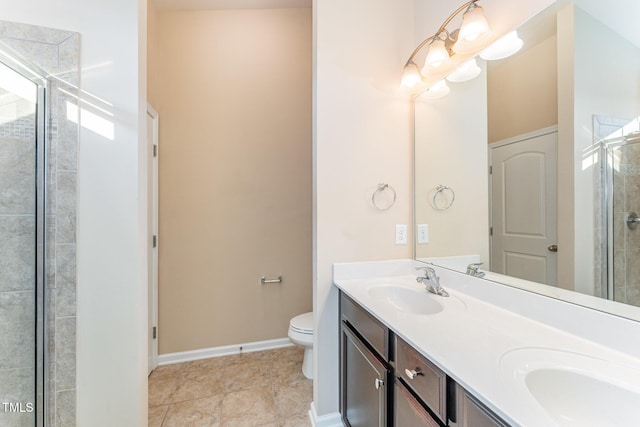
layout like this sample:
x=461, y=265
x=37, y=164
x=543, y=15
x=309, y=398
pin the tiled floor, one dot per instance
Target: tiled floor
x=264, y=388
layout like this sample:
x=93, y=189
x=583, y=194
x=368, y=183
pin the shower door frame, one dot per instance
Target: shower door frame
x=607, y=148
x=35, y=75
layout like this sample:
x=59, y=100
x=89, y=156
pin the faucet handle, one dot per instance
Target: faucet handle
x=473, y=269
x=429, y=273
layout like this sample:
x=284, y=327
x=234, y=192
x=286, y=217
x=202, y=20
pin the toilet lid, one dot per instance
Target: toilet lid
x=302, y=323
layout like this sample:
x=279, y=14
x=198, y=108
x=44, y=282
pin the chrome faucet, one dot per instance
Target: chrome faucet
x=472, y=270
x=431, y=281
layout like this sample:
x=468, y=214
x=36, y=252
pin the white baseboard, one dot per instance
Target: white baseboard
x=206, y=353
x=327, y=420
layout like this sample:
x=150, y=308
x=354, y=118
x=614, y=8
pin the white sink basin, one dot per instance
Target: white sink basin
x=575, y=389
x=408, y=300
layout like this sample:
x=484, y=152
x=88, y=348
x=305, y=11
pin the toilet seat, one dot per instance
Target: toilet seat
x=302, y=324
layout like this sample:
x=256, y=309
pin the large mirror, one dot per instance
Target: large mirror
x=533, y=168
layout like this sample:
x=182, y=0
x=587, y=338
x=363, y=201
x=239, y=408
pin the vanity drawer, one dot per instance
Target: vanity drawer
x=423, y=377
x=373, y=332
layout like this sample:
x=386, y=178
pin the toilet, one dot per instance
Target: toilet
x=301, y=333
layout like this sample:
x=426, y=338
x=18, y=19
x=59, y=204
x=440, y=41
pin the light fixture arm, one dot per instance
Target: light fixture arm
x=442, y=29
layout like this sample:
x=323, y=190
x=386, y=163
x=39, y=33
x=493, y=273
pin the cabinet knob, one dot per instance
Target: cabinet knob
x=379, y=383
x=412, y=373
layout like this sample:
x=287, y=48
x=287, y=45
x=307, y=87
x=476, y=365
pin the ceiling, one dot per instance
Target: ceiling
x=230, y=4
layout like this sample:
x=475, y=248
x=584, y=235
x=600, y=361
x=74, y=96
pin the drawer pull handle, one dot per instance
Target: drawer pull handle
x=412, y=373
x=379, y=383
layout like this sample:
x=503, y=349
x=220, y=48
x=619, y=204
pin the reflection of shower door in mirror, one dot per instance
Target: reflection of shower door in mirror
x=523, y=207
x=622, y=173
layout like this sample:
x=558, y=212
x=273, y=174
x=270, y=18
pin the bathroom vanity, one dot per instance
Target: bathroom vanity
x=487, y=355
x=385, y=381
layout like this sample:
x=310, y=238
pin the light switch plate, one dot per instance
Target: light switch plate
x=401, y=234
x=423, y=233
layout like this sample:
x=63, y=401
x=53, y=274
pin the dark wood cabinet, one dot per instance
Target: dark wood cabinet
x=386, y=382
x=409, y=411
x=427, y=381
x=365, y=384
x=469, y=412
x=364, y=368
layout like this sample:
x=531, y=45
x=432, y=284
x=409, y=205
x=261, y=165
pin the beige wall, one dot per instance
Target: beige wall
x=522, y=92
x=362, y=134
x=234, y=102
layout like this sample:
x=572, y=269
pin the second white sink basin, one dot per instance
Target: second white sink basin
x=573, y=398
x=407, y=300
x=575, y=389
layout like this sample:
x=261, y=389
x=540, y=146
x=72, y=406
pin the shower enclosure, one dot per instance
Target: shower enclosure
x=620, y=242
x=22, y=257
x=39, y=135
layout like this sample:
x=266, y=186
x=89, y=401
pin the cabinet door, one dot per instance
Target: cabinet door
x=364, y=384
x=408, y=411
x=471, y=413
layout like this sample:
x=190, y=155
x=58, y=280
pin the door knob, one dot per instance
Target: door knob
x=379, y=383
x=553, y=248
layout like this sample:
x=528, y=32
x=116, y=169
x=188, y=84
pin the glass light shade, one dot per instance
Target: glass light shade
x=438, y=54
x=411, y=76
x=503, y=47
x=474, y=24
x=467, y=71
x=438, y=90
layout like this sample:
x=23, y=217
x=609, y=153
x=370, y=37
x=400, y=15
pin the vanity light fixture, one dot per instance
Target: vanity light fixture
x=474, y=29
x=437, y=54
x=471, y=38
x=443, y=44
x=503, y=47
x=411, y=77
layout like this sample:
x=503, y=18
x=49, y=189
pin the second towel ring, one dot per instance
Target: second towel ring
x=375, y=198
x=440, y=190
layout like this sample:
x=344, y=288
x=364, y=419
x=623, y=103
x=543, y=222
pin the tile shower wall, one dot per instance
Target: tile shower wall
x=56, y=52
x=17, y=255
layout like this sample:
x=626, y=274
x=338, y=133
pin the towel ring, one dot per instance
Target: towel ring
x=375, y=198
x=440, y=190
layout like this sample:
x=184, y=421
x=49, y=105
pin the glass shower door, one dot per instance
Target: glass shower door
x=20, y=249
x=619, y=140
x=624, y=164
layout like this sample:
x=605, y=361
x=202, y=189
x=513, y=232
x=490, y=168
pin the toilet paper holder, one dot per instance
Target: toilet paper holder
x=266, y=281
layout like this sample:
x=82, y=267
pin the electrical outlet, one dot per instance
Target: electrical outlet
x=423, y=233
x=401, y=234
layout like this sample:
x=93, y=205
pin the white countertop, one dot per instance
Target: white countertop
x=470, y=338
